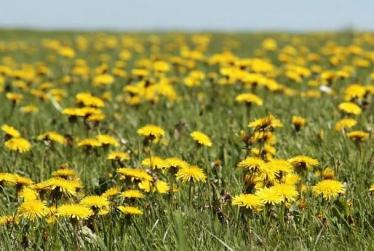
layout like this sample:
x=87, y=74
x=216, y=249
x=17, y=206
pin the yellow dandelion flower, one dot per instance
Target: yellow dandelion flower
x=20, y=145
x=267, y=152
x=51, y=217
x=269, y=44
x=291, y=179
x=129, y=210
x=250, y=201
x=161, y=66
x=298, y=122
x=288, y=192
x=32, y=209
x=87, y=99
x=201, y=138
x=73, y=112
x=96, y=202
x=344, y=124
x=52, y=136
x=151, y=132
x=89, y=143
x=155, y=162
x=8, y=178
x=158, y=186
x=21, y=180
x=74, y=211
x=277, y=166
x=7, y=219
x=110, y=192
x=107, y=140
x=89, y=111
x=266, y=123
x=96, y=117
x=28, y=194
x=350, y=108
x=132, y=193
x=69, y=187
x=118, y=156
x=371, y=188
x=15, y=179
x=139, y=72
x=145, y=185
x=354, y=91
x=103, y=80
x=270, y=195
x=251, y=163
x=328, y=173
x=65, y=173
x=249, y=98
x=358, y=136
x=161, y=186
x=29, y=109
x=175, y=162
x=265, y=176
x=263, y=136
x=370, y=89
x=66, y=51
x=302, y=161
x=191, y=173
x=14, y=97
x=133, y=173
x=10, y=131
x=329, y=189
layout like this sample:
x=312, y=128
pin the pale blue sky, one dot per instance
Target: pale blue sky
x=294, y=15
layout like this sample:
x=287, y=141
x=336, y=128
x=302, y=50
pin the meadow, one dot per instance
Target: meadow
x=183, y=141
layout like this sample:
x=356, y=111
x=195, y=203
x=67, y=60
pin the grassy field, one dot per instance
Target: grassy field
x=173, y=141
